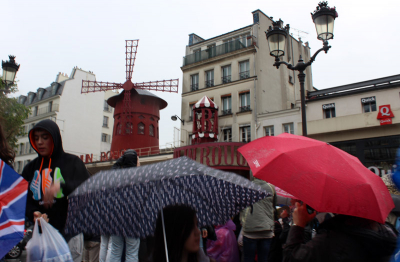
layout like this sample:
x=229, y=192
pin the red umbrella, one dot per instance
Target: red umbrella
x=323, y=176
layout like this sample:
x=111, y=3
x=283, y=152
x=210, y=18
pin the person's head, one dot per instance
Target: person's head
x=181, y=231
x=7, y=154
x=43, y=142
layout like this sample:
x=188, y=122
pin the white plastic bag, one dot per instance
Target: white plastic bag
x=49, y=246
x=34, y=247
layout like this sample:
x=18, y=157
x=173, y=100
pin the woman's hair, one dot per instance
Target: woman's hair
x=179, y=223
x=7, y=154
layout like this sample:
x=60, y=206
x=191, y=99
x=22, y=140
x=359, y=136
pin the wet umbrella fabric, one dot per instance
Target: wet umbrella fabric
x=126, y=202
x=325, y=177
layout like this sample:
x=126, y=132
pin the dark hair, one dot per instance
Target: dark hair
x=179, y=223
x=7, y=154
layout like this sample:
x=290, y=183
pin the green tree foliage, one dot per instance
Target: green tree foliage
x=12, y=116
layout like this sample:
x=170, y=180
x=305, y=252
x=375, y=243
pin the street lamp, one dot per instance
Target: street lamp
x=175, y=117
x=323, y=18
x=10, y=69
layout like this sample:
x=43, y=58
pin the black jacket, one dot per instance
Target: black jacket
x=66, y=168
x=342, y=238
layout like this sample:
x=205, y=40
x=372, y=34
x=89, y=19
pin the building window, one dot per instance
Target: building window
x=105, y=121
x=245, y=134
x=129, y=128
x=368, y=104
x=226, y=74
x=35, y=111
x=118, y=130
x=105, y=138
x=244, y=98
x=151, y=130
x=227, y=134
x=288, y=128
x=244, y=70
x=211, y=50
x=226, y=104
x=329, y=110
x=106, y=106
x=269, y=130
x=210, y=78
x=190, y=139
x=50, y=106
x=21, y=149
x=141, y=128
x=191, y=111
x=197, y=54
x=194, y=82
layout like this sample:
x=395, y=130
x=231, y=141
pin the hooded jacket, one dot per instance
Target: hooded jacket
x=42, y=172
x=342, y=238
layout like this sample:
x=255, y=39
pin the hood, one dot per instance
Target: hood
x=51, y=127
x=378, y=239
x=128, y=159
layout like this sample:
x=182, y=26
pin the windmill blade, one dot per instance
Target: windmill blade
x=131, y=49
x=163, y=85
x=94, y=86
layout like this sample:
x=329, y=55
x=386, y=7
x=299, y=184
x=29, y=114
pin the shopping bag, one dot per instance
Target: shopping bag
x=49, y=246
x=34, y=247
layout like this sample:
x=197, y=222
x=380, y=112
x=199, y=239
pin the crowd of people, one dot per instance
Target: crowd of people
x=260, y=232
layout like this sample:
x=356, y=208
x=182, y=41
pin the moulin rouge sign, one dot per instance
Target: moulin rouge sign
x=216, y=154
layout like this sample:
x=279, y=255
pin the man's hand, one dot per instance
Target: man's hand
x=48, y=197
x=301, y=216
x=37, y=215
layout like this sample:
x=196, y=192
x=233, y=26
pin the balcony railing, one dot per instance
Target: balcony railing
x=244, y=75
x=217, y=50
x=226, y=111
x=44, y=110
x=245, y=108
x=210, y=83
x=226, y=79
x=194, y=87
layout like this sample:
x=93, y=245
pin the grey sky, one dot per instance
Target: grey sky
x=54, y=36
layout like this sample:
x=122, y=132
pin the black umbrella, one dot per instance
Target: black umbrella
x=125, y=202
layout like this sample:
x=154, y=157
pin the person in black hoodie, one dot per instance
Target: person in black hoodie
x=342, y=238
x=52, y=176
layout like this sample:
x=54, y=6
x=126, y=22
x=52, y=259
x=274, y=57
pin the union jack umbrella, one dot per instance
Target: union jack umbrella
x=13, y=192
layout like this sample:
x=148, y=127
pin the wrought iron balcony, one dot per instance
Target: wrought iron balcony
x=244, y=75
x=226, y=79
x=194, y=87
x=226, y=111
x=218, y=50
x=210, y=83
x=245, y=108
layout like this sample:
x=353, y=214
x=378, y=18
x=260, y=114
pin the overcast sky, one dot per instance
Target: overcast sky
x=48, y=37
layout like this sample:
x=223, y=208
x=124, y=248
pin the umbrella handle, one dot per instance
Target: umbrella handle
x=165, y=239
x=162, y=220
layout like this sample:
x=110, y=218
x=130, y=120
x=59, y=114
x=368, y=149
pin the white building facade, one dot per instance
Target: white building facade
x=235, y=70
x=84, y=120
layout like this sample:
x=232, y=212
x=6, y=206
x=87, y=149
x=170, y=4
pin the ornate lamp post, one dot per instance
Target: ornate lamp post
x=10, y=69
x=323, y=18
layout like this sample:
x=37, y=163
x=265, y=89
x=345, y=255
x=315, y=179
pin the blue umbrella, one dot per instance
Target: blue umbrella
x=126, y=202
x=13, y=191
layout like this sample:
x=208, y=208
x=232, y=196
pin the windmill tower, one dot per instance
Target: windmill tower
x=137, y=111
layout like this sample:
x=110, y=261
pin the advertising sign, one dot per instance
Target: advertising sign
x=385, y=115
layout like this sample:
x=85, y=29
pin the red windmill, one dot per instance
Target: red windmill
x=134, y=107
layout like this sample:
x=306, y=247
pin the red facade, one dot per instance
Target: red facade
x=138, y=128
